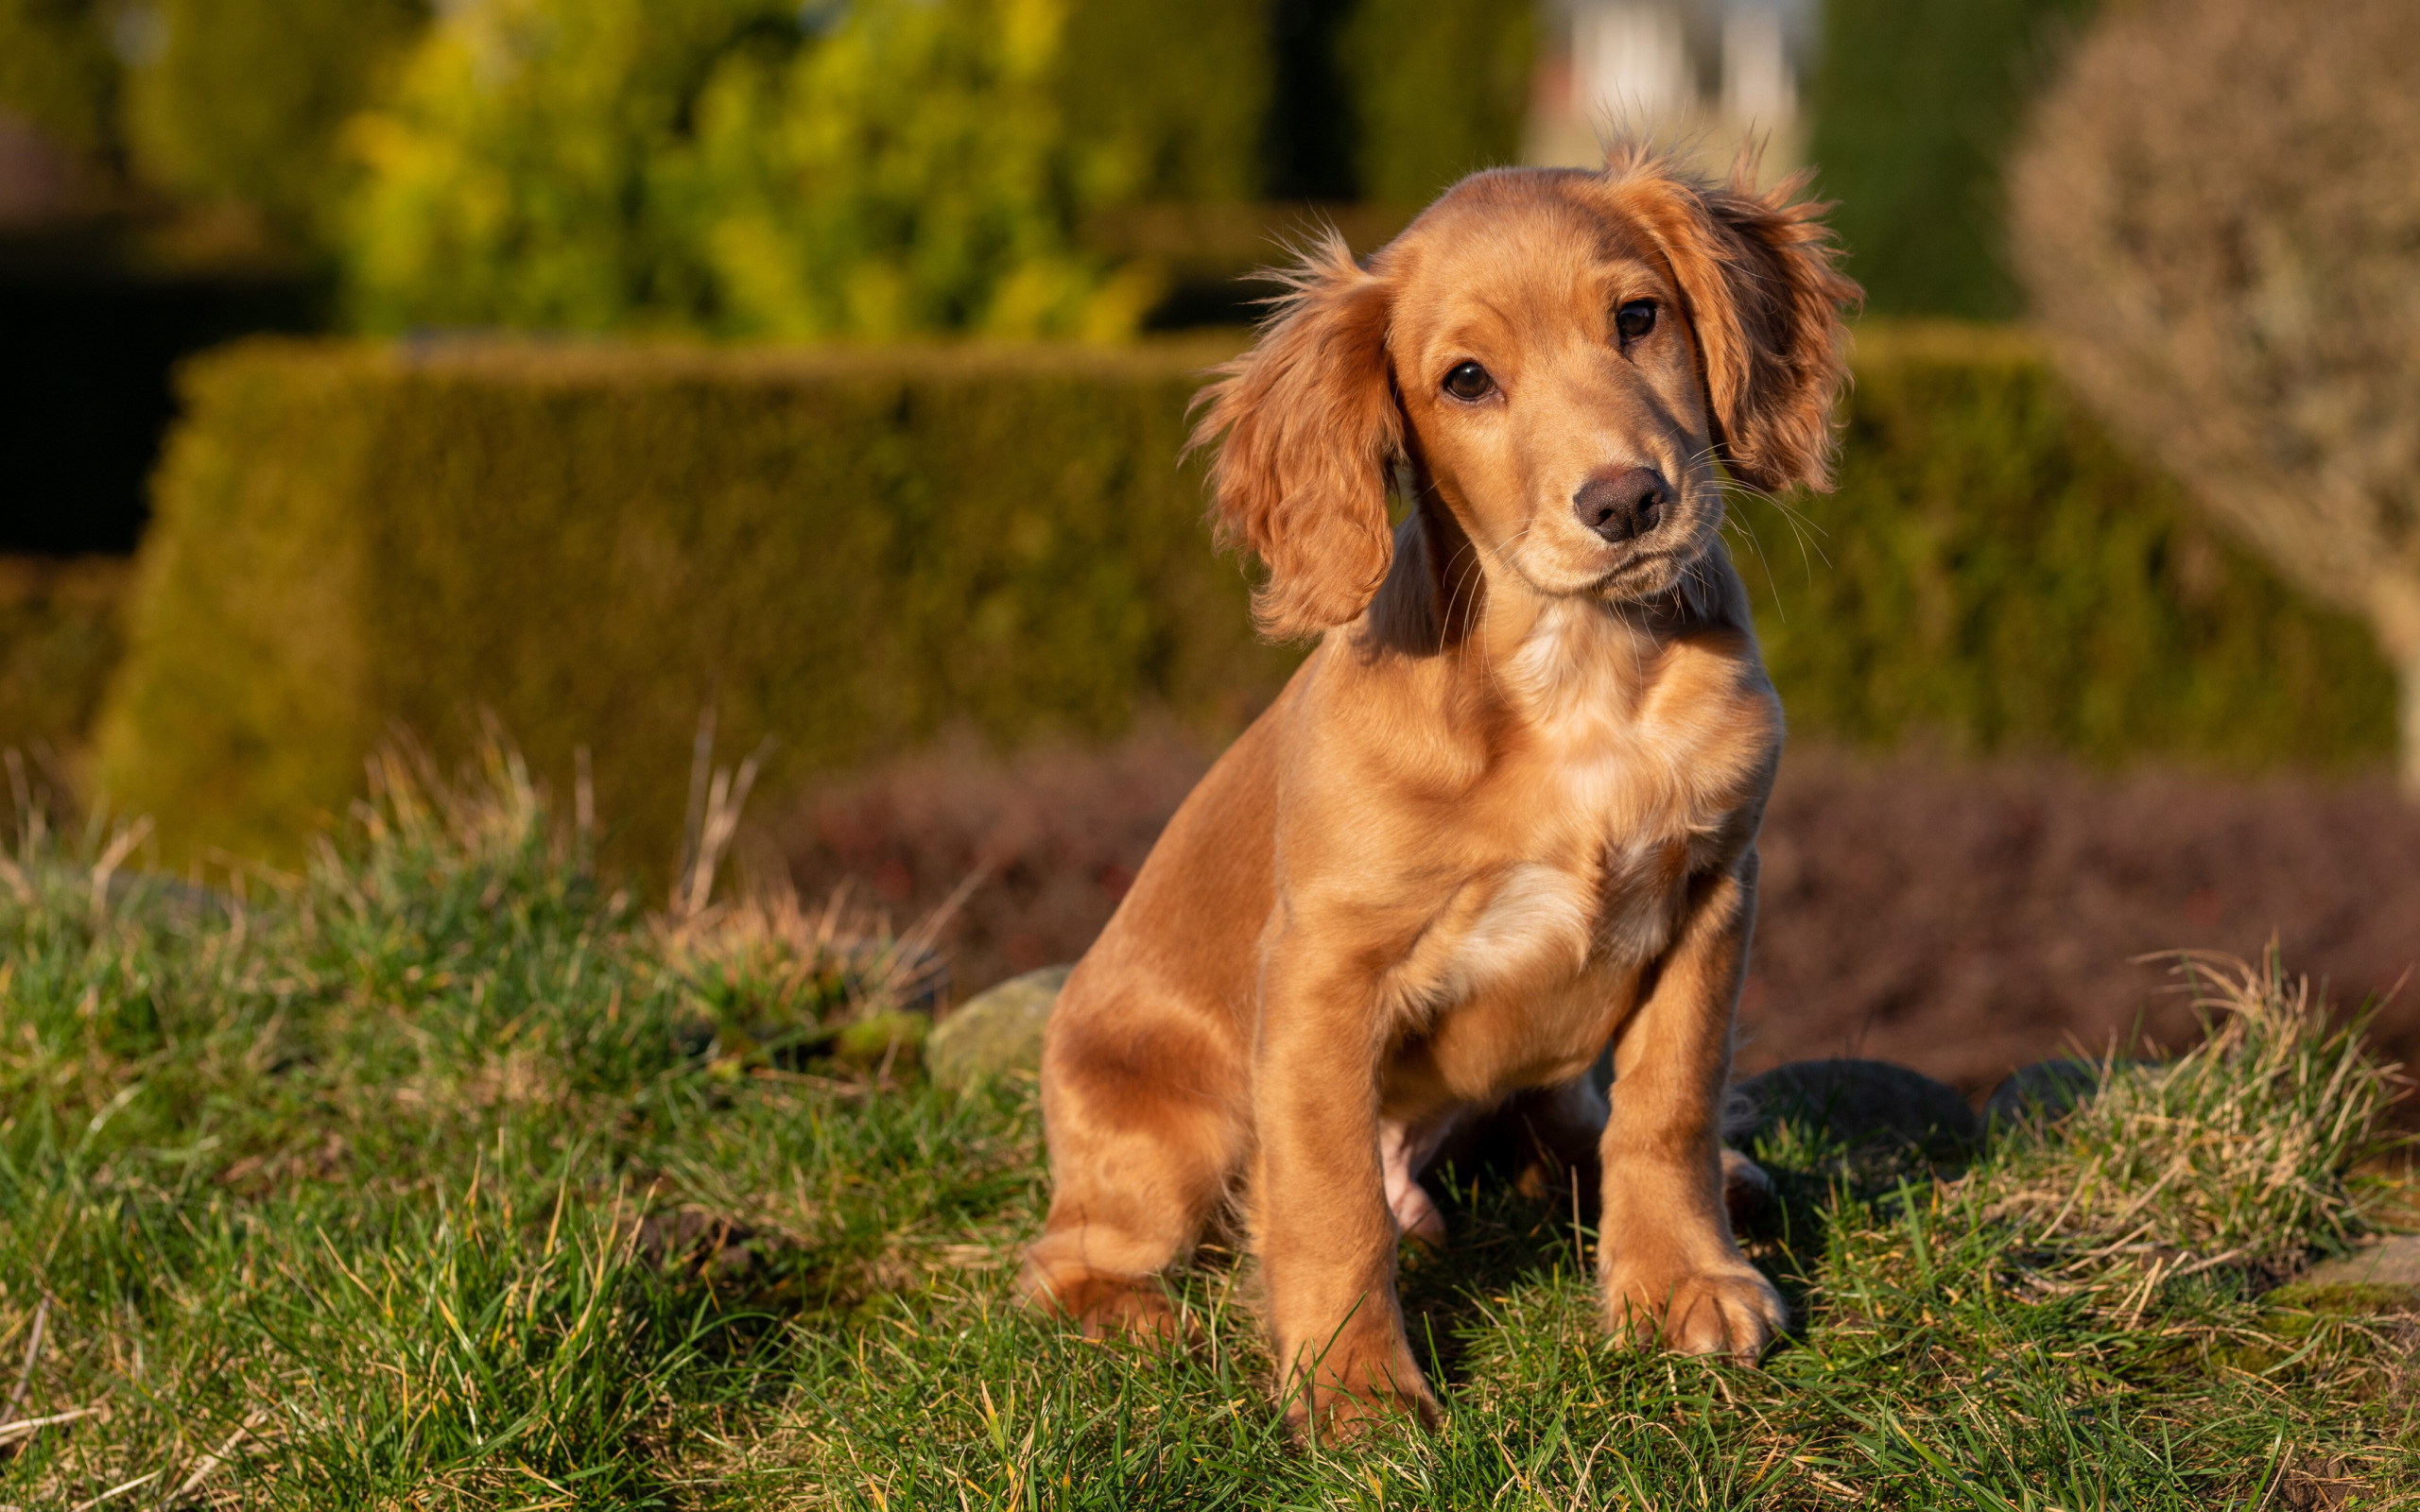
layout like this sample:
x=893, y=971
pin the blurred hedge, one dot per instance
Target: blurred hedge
x=1993, y=574
x=849, y=549
x=1441, y=88
x=61, y=636
x=842, y=549
x=1181, y=87
x=1914, y=106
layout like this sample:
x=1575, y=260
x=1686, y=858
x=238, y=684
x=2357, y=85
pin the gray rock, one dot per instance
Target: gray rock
x=995, y=1032
x=1860, y=1103
x=2392, y=1262
x=2045, y=1092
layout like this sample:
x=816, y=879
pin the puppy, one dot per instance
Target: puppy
x=1505, y=814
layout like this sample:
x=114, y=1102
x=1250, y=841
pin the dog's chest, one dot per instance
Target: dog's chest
x=1630, y=783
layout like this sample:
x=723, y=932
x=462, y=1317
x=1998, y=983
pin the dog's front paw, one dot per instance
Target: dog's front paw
x=1731, y=1310
x=1132, y=1308
x=1344, y=1399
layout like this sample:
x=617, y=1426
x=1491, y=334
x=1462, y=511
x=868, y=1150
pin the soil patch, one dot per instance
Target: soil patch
x=1963, y=919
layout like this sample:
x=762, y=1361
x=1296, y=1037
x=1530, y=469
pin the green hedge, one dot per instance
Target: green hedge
x=1914, y=106
x=844, y=550
x=1440, y=88
x=850, y=549
x=1993, y=574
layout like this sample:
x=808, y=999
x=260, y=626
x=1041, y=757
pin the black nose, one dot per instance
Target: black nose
x=1621, y=503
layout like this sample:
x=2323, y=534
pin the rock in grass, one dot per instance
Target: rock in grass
x=1862, y=1102
x=995, y=1032
x=2392, y=1262
x=895, y=1039
x=2045, y=1090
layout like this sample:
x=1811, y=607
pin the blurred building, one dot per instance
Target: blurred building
x=1703, y=76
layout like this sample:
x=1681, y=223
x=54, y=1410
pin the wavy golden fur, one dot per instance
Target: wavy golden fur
x=1505, y=815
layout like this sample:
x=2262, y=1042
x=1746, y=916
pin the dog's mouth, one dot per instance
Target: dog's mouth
x=1658, y=561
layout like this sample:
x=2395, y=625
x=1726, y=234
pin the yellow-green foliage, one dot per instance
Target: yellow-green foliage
x=56, y=71
x=1440, y=88
x=844, y=550
x=513, y=179
x=242, y=100
x=849, y=549
x=739, y=166
x=908, y=172
x=1993, y=574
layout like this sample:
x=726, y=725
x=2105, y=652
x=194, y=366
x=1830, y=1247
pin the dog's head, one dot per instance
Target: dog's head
x=1563, y=356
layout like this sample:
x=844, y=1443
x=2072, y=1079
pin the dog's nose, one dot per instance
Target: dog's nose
x=1622, y=502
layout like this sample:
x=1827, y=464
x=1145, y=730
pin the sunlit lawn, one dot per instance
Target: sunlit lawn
x=434, y=1178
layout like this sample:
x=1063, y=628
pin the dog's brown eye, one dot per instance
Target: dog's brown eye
x=1635, y=319
x=1469, y=381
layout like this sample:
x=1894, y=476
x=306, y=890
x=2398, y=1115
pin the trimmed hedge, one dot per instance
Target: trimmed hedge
x=1993, y=574
x=849, y=549
x=842, y=549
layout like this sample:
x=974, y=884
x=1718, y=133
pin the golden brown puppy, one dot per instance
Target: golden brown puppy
x=1505, y=813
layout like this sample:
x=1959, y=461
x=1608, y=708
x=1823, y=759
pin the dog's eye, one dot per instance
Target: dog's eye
x=1635, y=319
x=1469, y=381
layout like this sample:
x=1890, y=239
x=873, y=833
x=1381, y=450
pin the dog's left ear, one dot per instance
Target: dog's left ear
x=1765, y=300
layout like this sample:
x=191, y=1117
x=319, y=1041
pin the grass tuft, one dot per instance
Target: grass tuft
x=2240, y=1148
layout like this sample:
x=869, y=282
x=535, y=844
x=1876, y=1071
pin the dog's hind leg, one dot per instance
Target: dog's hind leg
x=1146, y=1109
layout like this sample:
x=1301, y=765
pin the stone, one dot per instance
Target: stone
x=2045, y=1090
x=2390, y=1262
x=995, y=1033
x=1859, y=1103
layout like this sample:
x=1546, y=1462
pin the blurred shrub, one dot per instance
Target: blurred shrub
x=1177, y=90
x=242, y=100
x=853, y=549
x=1914, y=105
x=907, y=172
x=2217, y=214
x=1994, y=575
x=846, y=549
x=1441, y=89
x=61, y=636
x=58, y=73
x=735, y=166
x=514, y=177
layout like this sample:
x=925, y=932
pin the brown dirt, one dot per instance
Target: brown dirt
x=1960, y=919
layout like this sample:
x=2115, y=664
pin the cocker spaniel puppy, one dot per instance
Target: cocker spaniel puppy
x=1505, y=815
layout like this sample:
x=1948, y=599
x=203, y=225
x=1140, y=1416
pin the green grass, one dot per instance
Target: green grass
x=440, y=1176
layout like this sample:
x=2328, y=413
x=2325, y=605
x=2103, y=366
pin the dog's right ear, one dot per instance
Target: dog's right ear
x=1311, y=431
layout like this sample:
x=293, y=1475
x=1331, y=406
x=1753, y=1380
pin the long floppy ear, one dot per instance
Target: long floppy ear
x=1311, y=431
x=1765, y=300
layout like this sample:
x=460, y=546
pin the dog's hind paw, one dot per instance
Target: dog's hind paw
x=1746, y=1188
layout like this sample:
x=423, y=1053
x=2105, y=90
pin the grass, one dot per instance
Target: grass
x=440, y=1176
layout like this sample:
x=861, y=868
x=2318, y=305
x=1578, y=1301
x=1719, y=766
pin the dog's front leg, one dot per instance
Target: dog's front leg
x=1325, y=1235
x=1668, y=1259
